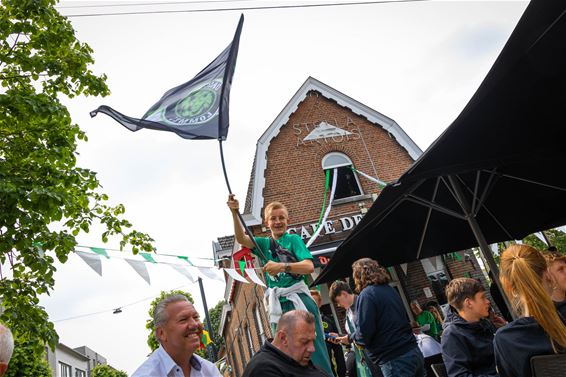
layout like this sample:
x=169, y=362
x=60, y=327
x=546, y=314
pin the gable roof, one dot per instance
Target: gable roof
x=254, y=197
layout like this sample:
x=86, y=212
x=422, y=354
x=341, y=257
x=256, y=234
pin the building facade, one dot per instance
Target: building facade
x=320, y=135
x=73, y=362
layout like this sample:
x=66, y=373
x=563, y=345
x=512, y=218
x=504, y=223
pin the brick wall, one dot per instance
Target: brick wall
x=294, y=173
x=246, y=298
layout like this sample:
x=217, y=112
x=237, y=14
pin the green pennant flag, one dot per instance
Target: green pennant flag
x=148, y=257
x=100, y=251
x=242, y=265
x=186, y=259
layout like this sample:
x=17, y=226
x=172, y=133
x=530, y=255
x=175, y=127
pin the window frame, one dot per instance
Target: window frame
x=347, y=162
x=65, y=369
x=262, y=336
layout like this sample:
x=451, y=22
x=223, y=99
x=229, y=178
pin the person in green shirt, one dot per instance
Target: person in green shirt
x=285, y=279
x=425, y=319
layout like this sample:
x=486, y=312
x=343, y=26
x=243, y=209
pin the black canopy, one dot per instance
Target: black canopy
x=497, y=173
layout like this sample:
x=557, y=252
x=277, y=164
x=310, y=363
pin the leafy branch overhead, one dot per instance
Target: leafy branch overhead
x=46, y=200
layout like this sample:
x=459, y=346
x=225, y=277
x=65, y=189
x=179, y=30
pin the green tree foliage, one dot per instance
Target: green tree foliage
x=27, y=361
x=46, y=200
x=556, y=238
x=215, y=314
x=151, y=341
x=107, y=371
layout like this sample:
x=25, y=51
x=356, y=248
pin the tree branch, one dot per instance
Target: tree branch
x=13, y=46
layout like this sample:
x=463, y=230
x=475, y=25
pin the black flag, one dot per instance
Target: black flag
x=197, y=109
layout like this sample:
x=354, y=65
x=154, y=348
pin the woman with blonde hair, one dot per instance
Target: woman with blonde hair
x=541, y=328
x=383, y=325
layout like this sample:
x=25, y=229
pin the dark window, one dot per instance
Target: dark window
x=347, y=184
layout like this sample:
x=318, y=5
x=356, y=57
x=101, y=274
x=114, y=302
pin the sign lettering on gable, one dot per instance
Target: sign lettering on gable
x=325, y=132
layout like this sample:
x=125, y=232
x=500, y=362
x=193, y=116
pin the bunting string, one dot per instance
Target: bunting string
x=375, y=180
x=182, y=264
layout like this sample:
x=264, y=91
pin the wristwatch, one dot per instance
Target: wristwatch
x=287, y=268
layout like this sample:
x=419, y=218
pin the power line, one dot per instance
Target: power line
x=149, y=4
x=244, y=8
x=113, y=309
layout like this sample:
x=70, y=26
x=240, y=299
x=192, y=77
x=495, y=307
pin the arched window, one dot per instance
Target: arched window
x=347, y=184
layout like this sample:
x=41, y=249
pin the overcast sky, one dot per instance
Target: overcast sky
x=416, y=62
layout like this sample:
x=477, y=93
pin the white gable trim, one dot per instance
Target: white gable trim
x=388, y=124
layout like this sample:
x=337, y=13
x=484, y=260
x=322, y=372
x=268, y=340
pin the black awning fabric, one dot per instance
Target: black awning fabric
x=507, y=147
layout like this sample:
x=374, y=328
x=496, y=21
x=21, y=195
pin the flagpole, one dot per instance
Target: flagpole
x=207, y=317
x=247, y=230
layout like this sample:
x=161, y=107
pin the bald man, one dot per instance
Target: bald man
x=6, y=348
x=289, y=354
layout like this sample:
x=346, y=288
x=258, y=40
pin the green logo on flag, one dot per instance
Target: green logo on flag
x=197, y=103
x=197, y=107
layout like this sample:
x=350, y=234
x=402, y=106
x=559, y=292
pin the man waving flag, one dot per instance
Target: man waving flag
x=197, y=109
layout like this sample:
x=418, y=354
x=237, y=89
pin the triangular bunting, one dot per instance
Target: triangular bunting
x=148, y=257
x=433, y=262
x=540, y=237
x=100, y=251
x=235, y=275
x=93, y=261
x=404, y=268
x=183, y=271
x=209, y=273
x=140, y=268
x=186, y=259
x=253, y=277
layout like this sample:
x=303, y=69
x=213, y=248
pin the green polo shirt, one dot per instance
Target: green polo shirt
x=294, y=244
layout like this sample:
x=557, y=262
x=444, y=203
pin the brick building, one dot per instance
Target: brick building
x=322, y=129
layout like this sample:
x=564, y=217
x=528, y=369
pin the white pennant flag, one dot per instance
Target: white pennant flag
x=253, y=276
x=540, y=237
x=208, y=272
x=140, y=268
x=404, y=268
x=235, y=275
x=433, y=262
x=93, y=261
x=183, y=272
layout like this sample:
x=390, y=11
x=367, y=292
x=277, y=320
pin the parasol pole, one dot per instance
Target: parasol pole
x=478, y=234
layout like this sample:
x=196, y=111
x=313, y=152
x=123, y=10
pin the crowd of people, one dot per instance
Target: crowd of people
x=468, y=338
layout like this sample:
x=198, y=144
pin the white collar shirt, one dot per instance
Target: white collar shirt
x=160, y=364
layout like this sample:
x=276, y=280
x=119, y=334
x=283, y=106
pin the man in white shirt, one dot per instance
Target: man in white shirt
x=178, y=329
x=6, y=348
